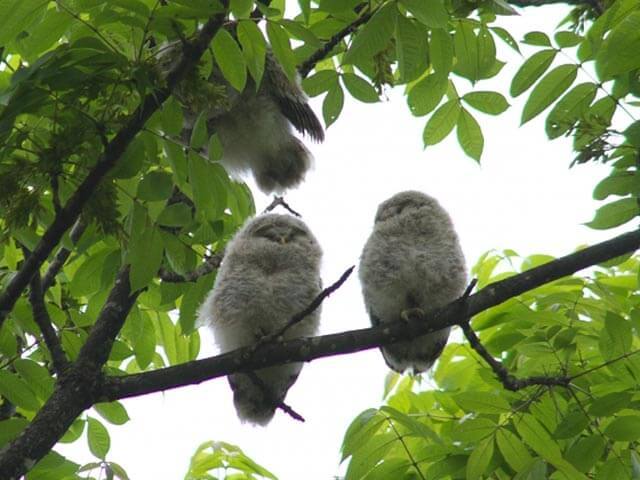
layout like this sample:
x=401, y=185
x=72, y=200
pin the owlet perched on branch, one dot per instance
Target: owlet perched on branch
x=270, y=272
x=254, y=127
x=412, y=262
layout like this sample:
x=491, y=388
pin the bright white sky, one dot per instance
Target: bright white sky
x=522, y=197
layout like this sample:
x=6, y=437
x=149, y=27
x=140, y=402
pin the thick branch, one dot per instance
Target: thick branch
x=113, y=151
x=306, y=349
x=76, y=390
x=42, y=319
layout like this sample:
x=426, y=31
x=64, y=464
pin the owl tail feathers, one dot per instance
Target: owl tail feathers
x=285, y=168
x=257, y=395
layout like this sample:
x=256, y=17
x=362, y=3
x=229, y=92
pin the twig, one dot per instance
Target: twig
x=298, y=317
x=63, y=254
x=406, y=449
x=271, y=397
x=280, y=201
x=42, y=319
x=209, y=265
x=509, y=381
x=305, y=67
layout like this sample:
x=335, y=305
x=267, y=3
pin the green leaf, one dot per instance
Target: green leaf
x=506, y=37
x=320, y=82
x=567, y=39
x=374, y=36
x=192, y=300
x=36, y=376
x=625, y=428
x=112, y=412
x=281, y=47
x=537, y=38
x=425, y=95
x=441, y=122
x=481, y=402
x=86, y=280
x=363, y=427
x=131, y=160
x=412, y=50
x=441, y=51
x=614, y=214
x=11, y=428
x=155, y=186
x=470, y=135
x=17, y=392
x=98, y=438
x=359, y=88
x=615, y=339
x=619, y=53
x=16, y=15
x=492, y=103
x=144, y=344
x=609, y=404
x=571, y=424
x=466, y=47
x=632, y=134
x=230, y=59
x=199, y=133
x=586, y=452
x=241, y=8
x=209, y=191
x=480, y=458
x=513, y=450
x=569, y=109
x=530, y=71
x=338, y=6
x=473, y=430
x=550, y=87
x=214, y=148
x=254, y=48
x=332, y=105
x=171, y=117
x=145, y=249
x=175, y=215
x=430, y=12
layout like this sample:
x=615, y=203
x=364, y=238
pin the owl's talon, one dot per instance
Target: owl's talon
x=412, y=314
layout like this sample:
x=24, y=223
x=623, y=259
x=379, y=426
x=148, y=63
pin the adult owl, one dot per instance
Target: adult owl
x=255, y=125
x=412, y=262
x=270, y=272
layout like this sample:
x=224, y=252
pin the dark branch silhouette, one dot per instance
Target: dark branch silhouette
x=307, y=349
x=61, y=257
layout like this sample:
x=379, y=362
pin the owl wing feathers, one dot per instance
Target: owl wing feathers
x=291, y=100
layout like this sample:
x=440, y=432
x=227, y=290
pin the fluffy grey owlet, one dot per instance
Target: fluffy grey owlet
x=270, y=272
x=411, y=262
x=254, y=126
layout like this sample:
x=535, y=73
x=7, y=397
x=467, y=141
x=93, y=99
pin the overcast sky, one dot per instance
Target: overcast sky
x=522, y=197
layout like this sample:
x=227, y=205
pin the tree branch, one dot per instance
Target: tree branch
x=305, y=67
x=113, y=151
x=209, y=265
x=307, y=349
x=42, y=319
x=76, y=389
x=63, y=254
x=280, y=201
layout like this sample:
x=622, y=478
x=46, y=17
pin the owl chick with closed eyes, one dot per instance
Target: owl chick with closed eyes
x=412, y=262
x=270, y=272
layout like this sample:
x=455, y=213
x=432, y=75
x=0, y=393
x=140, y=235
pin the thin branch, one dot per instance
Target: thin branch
x=605, y=364
x=113, y=151
x=307, y=349
x=42, y=319
x=210, y=264
x=298, y=317
x=63, y=254
x=305, y=67
x=509, y=381
x=280, y=201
